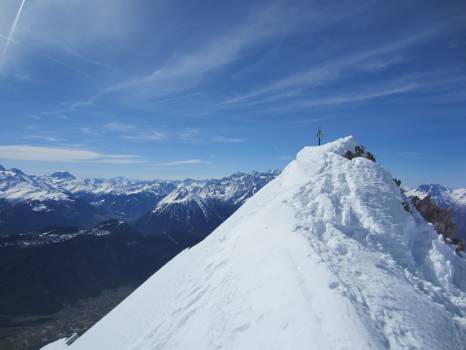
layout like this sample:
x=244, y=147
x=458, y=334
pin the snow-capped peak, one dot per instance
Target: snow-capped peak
x=2, y=168
x=441, y=195
x=340, y=147
x=16, y=186
x=453, y=199
x=63, y=175
x=323, y=257
x=433, y=188
x=180, y=195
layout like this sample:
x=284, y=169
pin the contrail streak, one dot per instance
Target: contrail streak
x=51, y=59
x=12, y=30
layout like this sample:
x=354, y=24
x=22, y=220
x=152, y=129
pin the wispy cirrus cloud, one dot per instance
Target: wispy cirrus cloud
x=190, y=135
x=358, y=96
x=175, y=98
x=329, y=71
x=89, y=131
x=415, y=83
x=145, y=136
x=58, y=154
x=69, y=108
x=184, y=162
x=44, y=138
x=185, y=71
x=117, y=126
x=133, y=132
x=224, y=139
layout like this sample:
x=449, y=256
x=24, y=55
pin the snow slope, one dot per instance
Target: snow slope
x=323, y=257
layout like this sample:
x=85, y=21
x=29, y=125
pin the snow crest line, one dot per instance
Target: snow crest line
x=371, y=259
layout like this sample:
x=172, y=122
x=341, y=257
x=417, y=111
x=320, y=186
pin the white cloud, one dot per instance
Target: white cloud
x=89, y=131
x=223, y=139
x=134, y=133
x=184, y=162
x=358, y=96
x=412, y=83
x=366, y=94
x=121, y=127
x=55, y=154
x=175, y=98
x=330, y=70
x=185, y=71
x=190, y=135
x=44, y=138
x=145, y=136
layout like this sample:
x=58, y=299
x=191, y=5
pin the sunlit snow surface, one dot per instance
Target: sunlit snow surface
x=15, y=186
x=323, y=257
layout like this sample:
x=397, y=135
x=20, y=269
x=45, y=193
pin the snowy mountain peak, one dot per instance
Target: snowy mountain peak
x=324, y=256
x=63, y=175
x=18, y=187
x=17, y=171
x=340, y=147
x=2, y=168
x=453, y=199
x=181, y=196
x=441, y=195
x=433, y=188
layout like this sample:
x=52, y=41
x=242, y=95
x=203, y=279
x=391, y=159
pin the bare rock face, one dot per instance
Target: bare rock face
x=441, y=218
x=445, y=197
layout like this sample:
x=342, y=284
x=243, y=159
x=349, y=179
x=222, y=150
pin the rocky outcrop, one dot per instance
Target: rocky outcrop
x=441, y=218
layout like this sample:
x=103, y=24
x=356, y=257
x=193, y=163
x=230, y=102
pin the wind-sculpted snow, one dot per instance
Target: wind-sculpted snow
x=323, y=257
x=386, y=261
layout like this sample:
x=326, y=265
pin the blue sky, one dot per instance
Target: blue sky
x=175, y=89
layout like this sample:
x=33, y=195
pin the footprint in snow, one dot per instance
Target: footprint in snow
x=241, y=328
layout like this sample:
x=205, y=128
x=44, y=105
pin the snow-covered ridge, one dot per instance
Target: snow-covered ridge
x=444, y=197
x=117, y=186
x=441, y=195
x=234, y=189
x=197, y=207
x=323, y=257
x=15, y=186
x=121, y=197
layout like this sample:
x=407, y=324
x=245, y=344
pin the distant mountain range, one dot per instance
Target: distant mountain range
x=197, y=207
x=29, y=202
x=68, y=243
x=444, y=197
